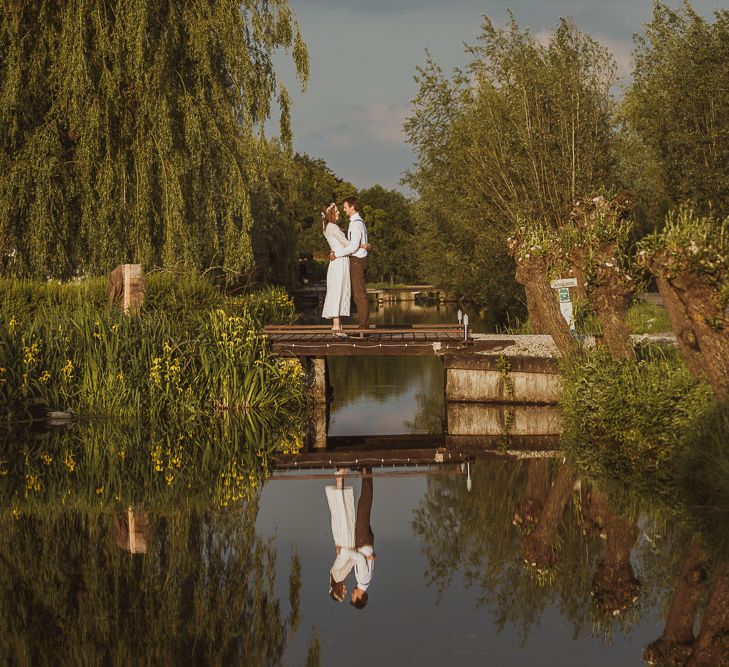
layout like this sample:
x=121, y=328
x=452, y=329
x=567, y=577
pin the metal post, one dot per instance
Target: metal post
x=465, y=328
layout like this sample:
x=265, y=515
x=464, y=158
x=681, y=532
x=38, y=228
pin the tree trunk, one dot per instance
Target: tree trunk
x=674, y=646
x=535, y=316
x=538, y=544
x=609, y=299
x=615, y=586
x=682, y=327
x=711, y=648
x=700, y=302
x=579, y=274
x=532, y=273
x=535, y=494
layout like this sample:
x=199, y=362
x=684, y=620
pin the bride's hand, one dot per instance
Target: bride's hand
x=366, y=246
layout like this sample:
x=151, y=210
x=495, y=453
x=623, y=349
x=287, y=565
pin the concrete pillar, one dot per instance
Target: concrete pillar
x=318, y=370
x=482, y=379
x=482, y=419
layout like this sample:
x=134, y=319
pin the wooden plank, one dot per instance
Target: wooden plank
x=370, y=332
x=354, y=327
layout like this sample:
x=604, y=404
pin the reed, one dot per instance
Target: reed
x=94, y=362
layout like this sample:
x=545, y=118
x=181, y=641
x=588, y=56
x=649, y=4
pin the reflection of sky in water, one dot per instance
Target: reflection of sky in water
x=406, y=622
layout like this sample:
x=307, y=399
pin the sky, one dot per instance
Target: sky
x=363, y=58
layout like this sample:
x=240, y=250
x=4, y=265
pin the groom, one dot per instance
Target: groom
x=357, y=235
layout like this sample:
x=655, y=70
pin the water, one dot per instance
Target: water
x=528, y=564
x=392, y=395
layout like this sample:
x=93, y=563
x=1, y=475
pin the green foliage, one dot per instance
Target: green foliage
x=677, y=103
x=513, y=139
x=646, y=318
x=395, y=252
x=628, y=421
x=71, y=594
x=129, y=131
x=705, y=483
x=100, y=362
x=691, y=242
x=166, y=463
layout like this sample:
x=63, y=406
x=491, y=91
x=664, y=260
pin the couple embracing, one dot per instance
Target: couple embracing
x=354, y=540
x=347, y=266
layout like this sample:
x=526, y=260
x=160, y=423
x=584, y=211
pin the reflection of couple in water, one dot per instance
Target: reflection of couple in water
x=353, y=539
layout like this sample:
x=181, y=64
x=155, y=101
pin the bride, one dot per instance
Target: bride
x=339, y=288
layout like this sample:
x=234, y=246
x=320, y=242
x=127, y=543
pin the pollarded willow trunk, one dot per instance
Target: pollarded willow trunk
x=609, y=298
x=538, y=550
x=532, y=273
x=614, y=586
x=675, y=645
x=711, y=327
x=535, y=316
x=682, y=327
x=535, y=494
x=711, y=648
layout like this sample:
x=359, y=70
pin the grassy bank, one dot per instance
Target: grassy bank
x=649, y=428
x=193, y=351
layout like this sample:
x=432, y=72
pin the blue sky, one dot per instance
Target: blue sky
x=363, y=56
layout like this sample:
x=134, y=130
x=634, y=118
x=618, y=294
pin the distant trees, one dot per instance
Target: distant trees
x=128, y=130
x=395, y=246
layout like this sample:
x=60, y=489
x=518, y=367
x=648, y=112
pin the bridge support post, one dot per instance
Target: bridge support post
x=318, y=370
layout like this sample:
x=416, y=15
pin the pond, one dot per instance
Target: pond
x=124, y=554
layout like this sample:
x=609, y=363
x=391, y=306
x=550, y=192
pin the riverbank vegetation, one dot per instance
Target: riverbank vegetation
x=540, y=151
x=193, y=352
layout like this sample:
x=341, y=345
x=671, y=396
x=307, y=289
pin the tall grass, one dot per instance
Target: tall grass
x=180, y=357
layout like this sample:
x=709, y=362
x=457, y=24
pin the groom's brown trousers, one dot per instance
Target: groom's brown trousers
x=363, y=535
x=357, y=271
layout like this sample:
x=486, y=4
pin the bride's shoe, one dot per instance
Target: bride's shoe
x=339, y=333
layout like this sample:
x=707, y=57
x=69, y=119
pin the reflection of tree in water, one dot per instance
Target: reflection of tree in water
x=578, y=547
x=475, y=532
x=527, y=540
x=202, y=593
x=382, y=378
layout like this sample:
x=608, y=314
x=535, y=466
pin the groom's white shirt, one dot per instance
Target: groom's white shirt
x=357, y=235
x=357, y=558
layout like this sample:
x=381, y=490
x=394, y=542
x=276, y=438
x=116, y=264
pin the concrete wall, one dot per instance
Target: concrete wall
x=477, y=378
x=479, y=419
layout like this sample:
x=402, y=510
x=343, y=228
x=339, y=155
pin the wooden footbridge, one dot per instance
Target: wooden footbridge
x=410, y=339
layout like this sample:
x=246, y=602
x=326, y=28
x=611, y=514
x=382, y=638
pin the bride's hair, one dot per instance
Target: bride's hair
x=328, y=214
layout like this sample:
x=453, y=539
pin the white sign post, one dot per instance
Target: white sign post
x=565, y=302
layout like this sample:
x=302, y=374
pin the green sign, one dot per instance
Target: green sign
x=564, y=294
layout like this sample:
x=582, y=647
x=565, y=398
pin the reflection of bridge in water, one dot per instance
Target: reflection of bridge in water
x=411, y=449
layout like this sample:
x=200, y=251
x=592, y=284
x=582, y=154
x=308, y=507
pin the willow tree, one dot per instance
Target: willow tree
x=129, y=130
x=519, y=134
x=677, y=103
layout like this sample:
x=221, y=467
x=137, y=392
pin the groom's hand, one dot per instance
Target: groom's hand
x=332, y=256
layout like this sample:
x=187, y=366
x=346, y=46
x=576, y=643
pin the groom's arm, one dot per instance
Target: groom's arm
x=354, y=243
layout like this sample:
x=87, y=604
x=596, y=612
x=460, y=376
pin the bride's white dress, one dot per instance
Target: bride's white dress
x=339, y=288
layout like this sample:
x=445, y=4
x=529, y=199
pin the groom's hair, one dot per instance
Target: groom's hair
x=354, y=203
x=361, y=603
